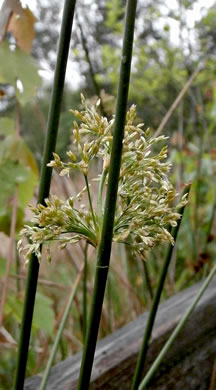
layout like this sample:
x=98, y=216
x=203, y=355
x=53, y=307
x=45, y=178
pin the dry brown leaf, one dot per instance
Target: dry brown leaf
x=22, y=27
x=5, y=337
x=7, y=10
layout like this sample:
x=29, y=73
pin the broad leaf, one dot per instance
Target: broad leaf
x=14, y=175
x=7, y=126
x=43, y=318
x=17, y=65
x=11, y=174
x=5, y=219
x=19, y=151
x=43, y=314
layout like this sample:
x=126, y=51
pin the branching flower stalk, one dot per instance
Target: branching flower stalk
x=145, y=197
x=144, y=208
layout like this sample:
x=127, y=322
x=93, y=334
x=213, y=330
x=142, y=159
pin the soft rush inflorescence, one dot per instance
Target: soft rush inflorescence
x=145, y=205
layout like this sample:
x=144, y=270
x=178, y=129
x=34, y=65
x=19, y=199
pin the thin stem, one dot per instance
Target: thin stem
x=91, y=69
x=178, y=100
x=210, y=225
x=99, y=200
x=175, y=333
x=60, y=330
x=154, y=308
x=43, y=282
x=45, y=180
x=90, y=203
x=85, y=275
x=147, y=278
x=198, y=181
x=104, y=250
x=17, y=269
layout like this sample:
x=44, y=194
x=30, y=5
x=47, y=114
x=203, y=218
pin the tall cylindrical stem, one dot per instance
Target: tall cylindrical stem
x=104, y=250
x=44, y=187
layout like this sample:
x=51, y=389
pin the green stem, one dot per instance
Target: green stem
x=109, y=303
x=175, y=333
x=85, y=274
x=154, y=308
x=17, y=269
x=59, y=333
x=91, y=69
x=104, y=250
x=211, y=222
x=147, y=278
x=90, y=204
x=99, y=200
x=45, y=179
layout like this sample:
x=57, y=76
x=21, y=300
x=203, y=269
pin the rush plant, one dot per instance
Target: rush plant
x=146, y=200
x=136, y=201
x=45, y=180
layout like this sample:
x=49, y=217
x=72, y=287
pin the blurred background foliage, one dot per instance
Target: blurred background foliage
x=171, y=40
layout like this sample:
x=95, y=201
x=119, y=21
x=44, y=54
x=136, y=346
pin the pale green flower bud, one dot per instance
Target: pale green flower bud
x=71, y=155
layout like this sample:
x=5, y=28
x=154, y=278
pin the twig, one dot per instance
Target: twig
x=178, y=100
x=44, y=282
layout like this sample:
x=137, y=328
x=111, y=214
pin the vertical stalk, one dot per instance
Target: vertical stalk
x=210, y=225
x=202, y=131
x=176, y=331
x=154, y=308
x=109, y=303
x=178, y=99
x=90, y=203
x=45, y=179
x=91, y=69
x=104, y=250
x=85, y=276
x=147, y=278
x=99, y=200
x=17, y=269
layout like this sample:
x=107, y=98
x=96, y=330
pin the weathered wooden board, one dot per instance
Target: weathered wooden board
x=188, y=365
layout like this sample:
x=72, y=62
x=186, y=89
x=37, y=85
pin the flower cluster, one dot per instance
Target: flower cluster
x=145, y=205
x=92, y=138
